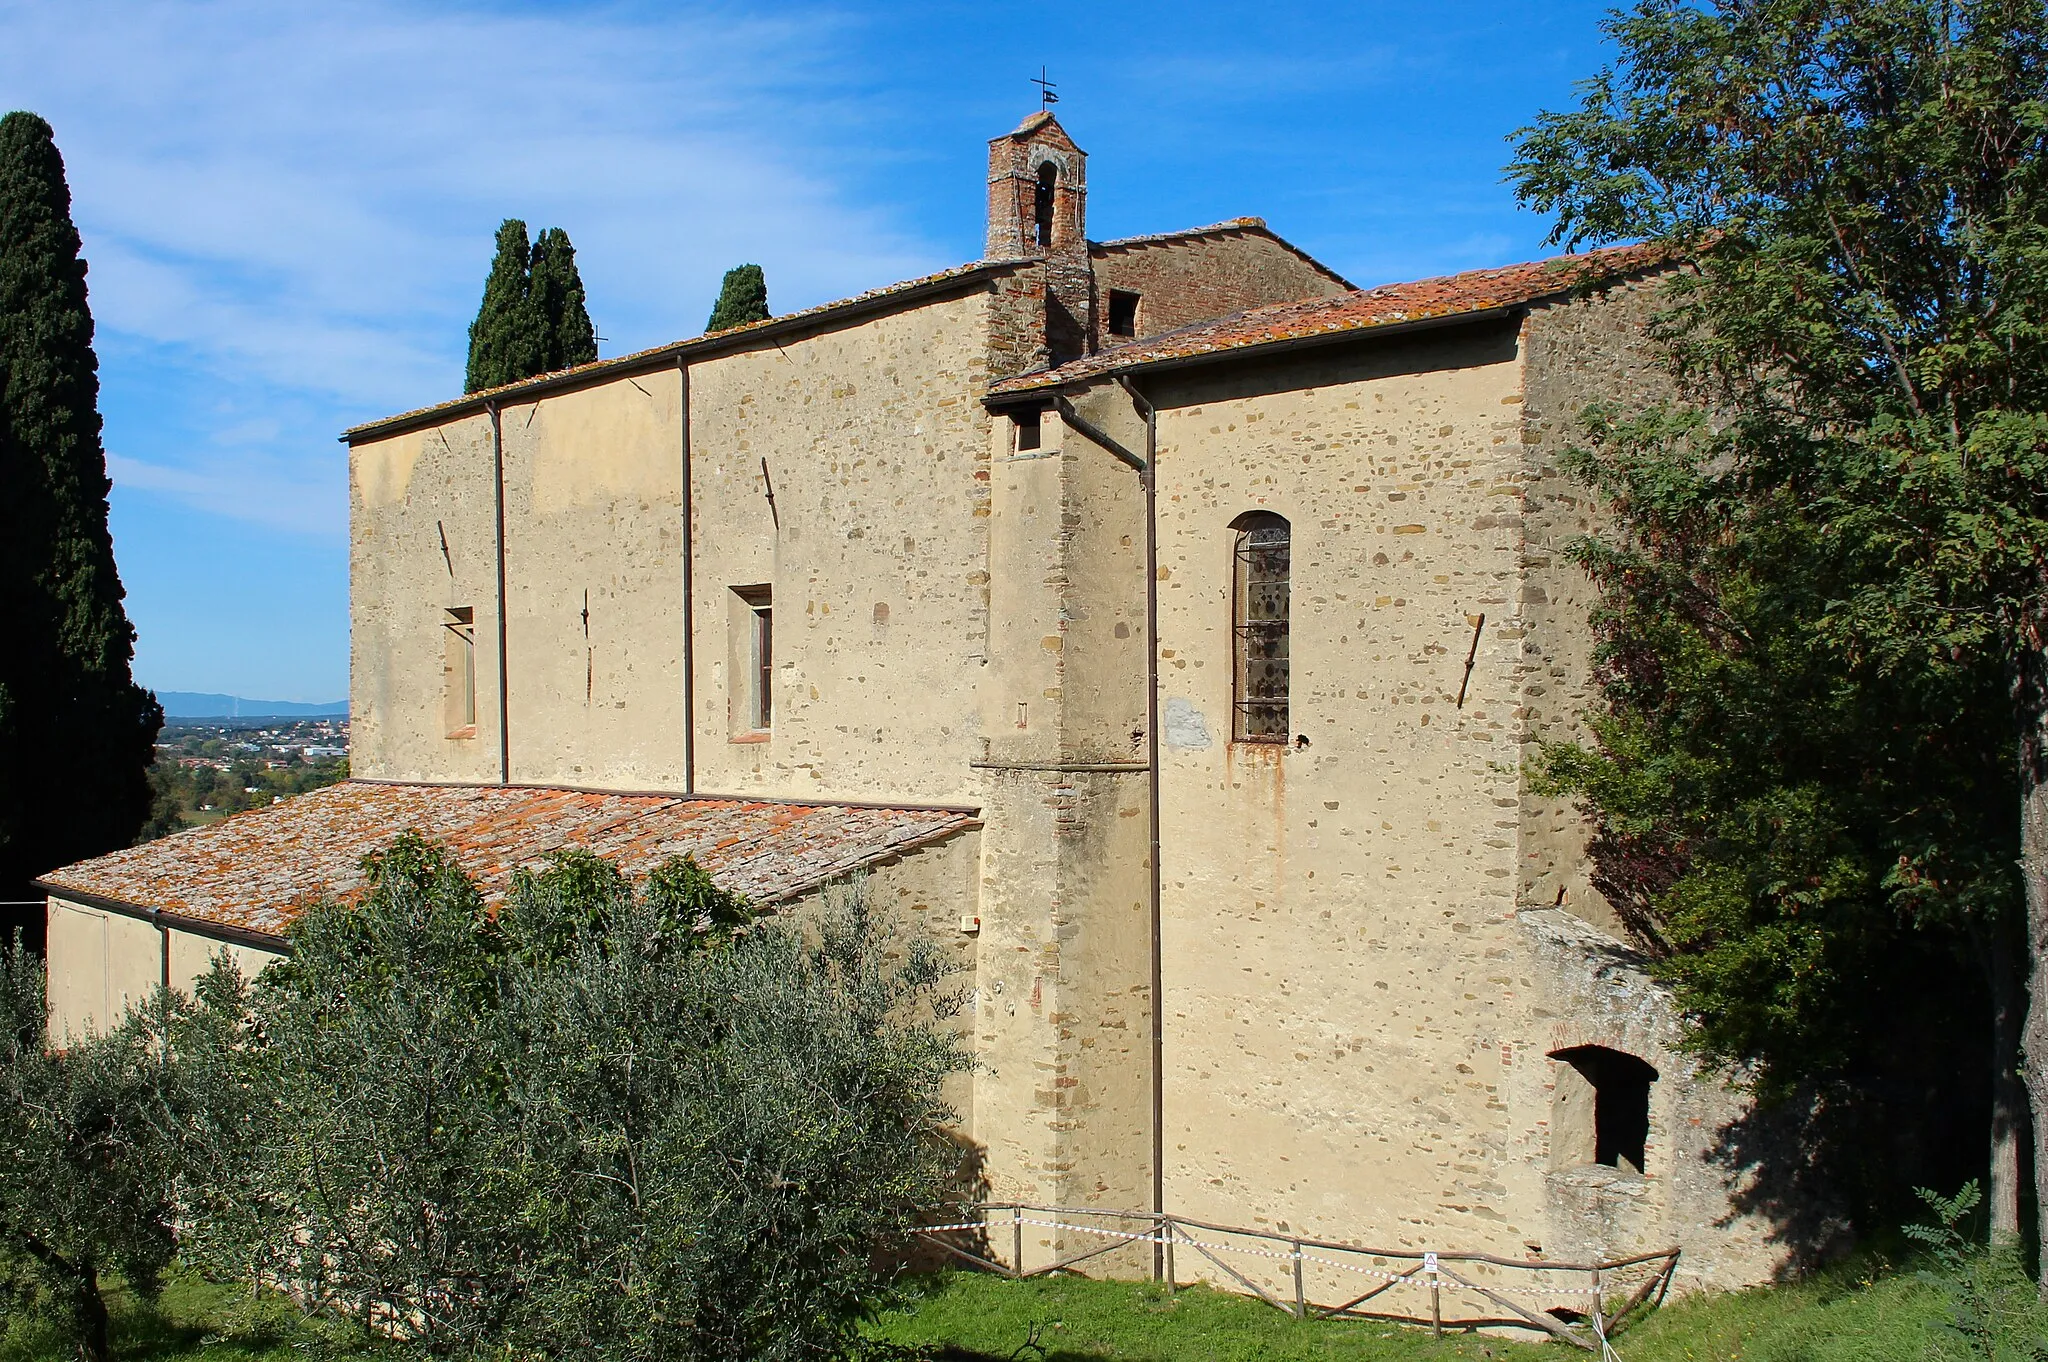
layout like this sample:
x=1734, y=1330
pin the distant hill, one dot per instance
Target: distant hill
x=185, y=704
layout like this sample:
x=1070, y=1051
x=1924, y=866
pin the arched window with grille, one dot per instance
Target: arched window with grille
x=1259, y=618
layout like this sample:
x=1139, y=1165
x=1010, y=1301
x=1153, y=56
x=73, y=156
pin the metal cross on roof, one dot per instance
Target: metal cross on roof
x=1046, y=97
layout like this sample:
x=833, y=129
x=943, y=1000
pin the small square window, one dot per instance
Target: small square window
x=1123, y=313
x=1027, y=428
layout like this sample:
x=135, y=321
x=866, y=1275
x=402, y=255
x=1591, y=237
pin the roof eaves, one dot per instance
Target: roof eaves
x=679, y=797
x=1257, y=225
x=663, y=356
x=196, y=926
x=1573, y=274
x=1017, y=391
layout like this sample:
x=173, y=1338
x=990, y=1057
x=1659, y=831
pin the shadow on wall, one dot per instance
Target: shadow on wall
x=1830, y=1164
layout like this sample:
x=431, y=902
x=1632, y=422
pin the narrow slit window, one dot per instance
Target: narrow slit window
x=1123, y=313
x=1028, y=430
x=458, y=671
x=1260, y=595
x=764, y=667
x=753, y=659
x=1042, y=201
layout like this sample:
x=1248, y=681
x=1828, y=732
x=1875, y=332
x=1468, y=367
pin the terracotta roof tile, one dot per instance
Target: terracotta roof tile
x=1424, y=299
x=255, y=871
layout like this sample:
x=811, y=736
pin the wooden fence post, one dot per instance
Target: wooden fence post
x=1017, y=1241
x=1436, y=1296
x=1166, y=1228
x=1300, y=1297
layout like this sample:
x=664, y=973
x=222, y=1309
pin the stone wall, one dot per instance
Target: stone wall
x=1185, y=279
x=875, y=449
x=1063, y=1019
x=1336, y=912
x=1574, y=354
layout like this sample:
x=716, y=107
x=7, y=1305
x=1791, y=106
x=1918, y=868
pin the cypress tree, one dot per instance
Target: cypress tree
x=503, y=344
x=555, y=291
x=77, y=735
x=533, y=319
x=742, y=298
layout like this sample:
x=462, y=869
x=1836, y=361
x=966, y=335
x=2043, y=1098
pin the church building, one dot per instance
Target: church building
x=1162, y=625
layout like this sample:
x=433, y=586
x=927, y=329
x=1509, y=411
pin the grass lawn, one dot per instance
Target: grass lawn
x=196, y=1322
x=1850, y=1315
x=1845, y=1316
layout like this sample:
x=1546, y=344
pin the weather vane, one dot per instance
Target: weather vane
x=1046, y=97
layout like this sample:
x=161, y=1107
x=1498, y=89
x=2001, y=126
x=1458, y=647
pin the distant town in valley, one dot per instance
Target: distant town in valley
x=206, y=769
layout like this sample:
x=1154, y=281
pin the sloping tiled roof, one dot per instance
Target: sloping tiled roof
x=1424, y=299
x=255, y=871
x=641, y=359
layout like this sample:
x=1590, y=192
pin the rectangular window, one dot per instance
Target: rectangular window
x=458, y=671
x=754, y=659
x=1027, y=428
x=1123, y=313
x=1260, y=623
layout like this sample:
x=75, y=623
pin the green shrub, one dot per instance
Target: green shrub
x=103, y=1145
x=599, y=1122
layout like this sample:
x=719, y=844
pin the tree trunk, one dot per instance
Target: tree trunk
x=2033, y=725
x=2008, y=1093
x=91, y=1309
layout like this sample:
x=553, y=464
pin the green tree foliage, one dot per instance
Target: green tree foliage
x=597, y=1122
x=76, y=732
x=504, y=346
x=1815, y=849
x=556, y=290
x=742, y=298
x=533, y=318
x=103, y=1141
x=1861, y=186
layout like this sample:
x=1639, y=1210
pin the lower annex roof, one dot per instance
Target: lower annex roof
x=1447, y=297
x=255, y=872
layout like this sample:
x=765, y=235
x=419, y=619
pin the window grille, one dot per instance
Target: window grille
x=1260, y=627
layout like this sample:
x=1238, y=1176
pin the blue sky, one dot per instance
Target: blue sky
x=288, y=208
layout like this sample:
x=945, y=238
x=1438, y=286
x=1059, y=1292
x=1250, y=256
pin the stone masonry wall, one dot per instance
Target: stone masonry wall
x=1189, y=279
x=1590, y=988
x=1340, y=1022
x=875, y=450
x=1063, y=1019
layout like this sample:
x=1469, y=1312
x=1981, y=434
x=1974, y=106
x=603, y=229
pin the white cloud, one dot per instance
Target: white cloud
x=303, y=198
x=303, y=496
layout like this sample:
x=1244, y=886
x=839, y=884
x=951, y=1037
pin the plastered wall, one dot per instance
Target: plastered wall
x=593, y=572
x=102, y=963
x=876, y=453
x=422, y=539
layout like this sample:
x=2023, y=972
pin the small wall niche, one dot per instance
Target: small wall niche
x=1600, y=1109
